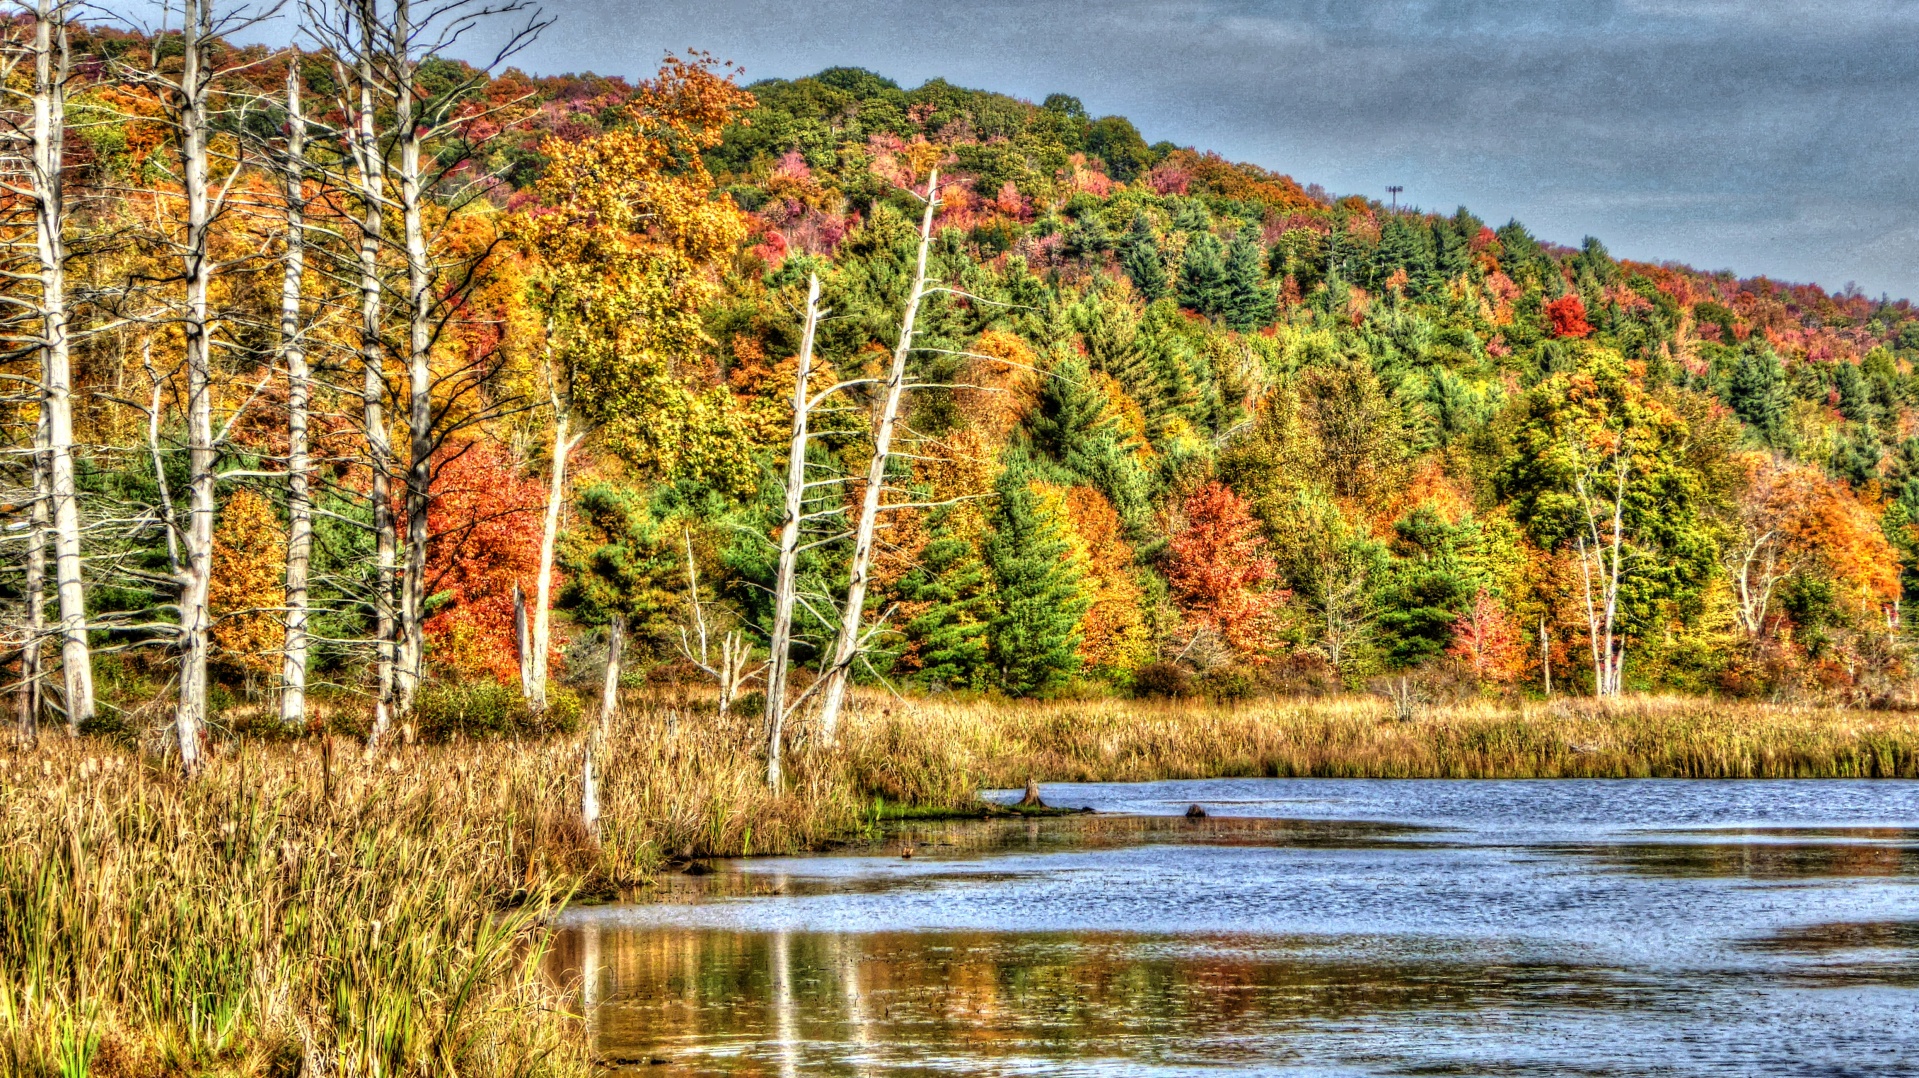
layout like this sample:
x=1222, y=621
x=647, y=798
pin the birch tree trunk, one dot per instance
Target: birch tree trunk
x=299, y=391
x=419, y=476
x=33, y=648
x=542, y=635
x=610, y=687
x=190, y=122
x=846, y=647
x=50, y=70
x=786, y=583
x=1600, y=558
x=371, y=183
x=522, y=646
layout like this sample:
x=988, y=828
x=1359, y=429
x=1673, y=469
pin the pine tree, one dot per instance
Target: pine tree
x=949, y=635
x=1088, y=236
x=1202, y=275
x=1248, y=303
x=1855, y=396
x=1034, y=639
x=1139, y=257
x=1757, y=392
x=1076, y=425
x=1191, y=215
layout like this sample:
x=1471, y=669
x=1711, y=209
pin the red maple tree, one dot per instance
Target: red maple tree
x=1220, y=569
x=485, y=520
x=1485, y=642
x=1568, y=315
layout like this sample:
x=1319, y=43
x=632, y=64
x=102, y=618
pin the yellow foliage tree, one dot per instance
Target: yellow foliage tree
x=1112, y=633
x=247, y=587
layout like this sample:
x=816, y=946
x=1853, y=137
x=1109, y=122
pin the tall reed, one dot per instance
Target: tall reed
x=933, y=751
x=300, y=909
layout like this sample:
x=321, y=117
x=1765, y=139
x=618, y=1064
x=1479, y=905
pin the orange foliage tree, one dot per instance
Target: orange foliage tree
x=1793, y=518
x=1221, y=570
x=1568, y=316
x=485, y=522
x=1486, y=643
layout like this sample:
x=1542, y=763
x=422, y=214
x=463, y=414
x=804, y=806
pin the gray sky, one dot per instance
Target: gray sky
x=1767, y=136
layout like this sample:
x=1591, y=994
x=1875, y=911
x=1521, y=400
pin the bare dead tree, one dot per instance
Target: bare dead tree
x=728, y=662
x=299, y=393
x=187, y=95
x=534, y=683
x=847, y=645
x=786, y=582
x=381, y=48
x=34, y=629
x=610, y=685
x=37, y=299
x=522, y=647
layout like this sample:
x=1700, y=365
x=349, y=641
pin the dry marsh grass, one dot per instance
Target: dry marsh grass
x=296, y=910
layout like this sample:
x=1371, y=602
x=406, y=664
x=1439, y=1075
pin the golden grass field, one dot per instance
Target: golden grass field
x=303, y=909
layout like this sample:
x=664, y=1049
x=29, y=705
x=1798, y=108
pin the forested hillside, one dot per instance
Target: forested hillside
x=340, y=398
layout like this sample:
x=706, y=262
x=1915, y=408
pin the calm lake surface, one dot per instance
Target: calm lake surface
x=1306, y=927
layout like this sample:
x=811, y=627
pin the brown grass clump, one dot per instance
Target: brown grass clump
x=299, y=909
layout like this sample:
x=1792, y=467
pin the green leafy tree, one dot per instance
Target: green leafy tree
x=1428, y=586
x=1076, y=427
x=1114, y=140
x=1088, y=236
x=1598, y=466
x=1855, y=394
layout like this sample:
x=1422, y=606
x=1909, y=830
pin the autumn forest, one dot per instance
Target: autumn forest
x=357, y=387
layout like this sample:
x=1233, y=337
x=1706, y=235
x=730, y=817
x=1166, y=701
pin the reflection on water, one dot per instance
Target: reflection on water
x=1696, y=929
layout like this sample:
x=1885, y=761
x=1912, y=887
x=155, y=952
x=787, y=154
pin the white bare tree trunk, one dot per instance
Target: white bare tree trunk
x=299, y=393
x=50, y=69
x=33, y=648
x=191, y=127
x=1759, y=572
x=610, y=687
x=370, y=180
x=786, y=584
x=847, y=646
x=589, y=788
x=729, y=668
x=1600, y=558
x=535, y=659
x=419, y=296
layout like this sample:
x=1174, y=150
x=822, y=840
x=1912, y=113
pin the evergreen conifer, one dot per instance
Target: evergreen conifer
x=1202, y=275
x=1757, y=392
x=950, y=633
x=1034, y=638
x=1139, y=257
x=1248, y=303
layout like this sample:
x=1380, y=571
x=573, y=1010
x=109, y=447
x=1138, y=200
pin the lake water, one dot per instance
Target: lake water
x=1305, y=927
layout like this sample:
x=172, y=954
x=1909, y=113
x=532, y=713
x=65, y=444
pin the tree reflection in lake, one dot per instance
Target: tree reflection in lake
x=1556, y=943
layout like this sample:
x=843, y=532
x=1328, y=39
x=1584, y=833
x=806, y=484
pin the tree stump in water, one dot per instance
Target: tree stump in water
x=1031, y=800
